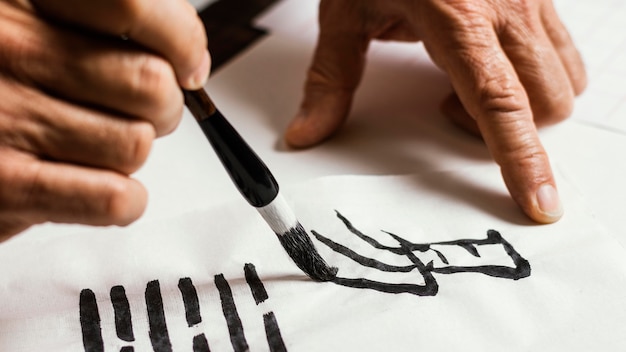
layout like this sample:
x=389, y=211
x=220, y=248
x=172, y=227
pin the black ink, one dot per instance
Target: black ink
x=235, y=328
x=520, y=271
x=158, y=329
x=272, y=331
x=90, y=322
x=256, y=286
x=200, y=344
x=121, y=309
x=159, y=336
x=190, y=300
x=408, y=249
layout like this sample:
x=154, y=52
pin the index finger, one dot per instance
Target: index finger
x=491, y=92
x=171, y=28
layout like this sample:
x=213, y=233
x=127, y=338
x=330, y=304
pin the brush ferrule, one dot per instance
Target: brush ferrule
x=279, y=216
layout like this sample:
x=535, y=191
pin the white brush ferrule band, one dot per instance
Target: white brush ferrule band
x=279, y=215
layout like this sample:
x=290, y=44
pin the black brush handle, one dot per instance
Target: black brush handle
x=251, y=176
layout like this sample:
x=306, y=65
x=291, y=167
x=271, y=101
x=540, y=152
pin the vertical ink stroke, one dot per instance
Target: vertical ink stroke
x=121, y=310
x=190, y=300
x=200, y=344
x=127, y=349
x=256, y=285
x=235, y=328
x=90, y=322
x=272, y=331
x=159, y=336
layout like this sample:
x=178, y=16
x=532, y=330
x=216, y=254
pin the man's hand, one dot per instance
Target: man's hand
x=86, y=86
x=512, y=64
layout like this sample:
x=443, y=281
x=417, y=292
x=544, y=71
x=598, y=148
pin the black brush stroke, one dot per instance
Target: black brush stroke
x=235, y=327
x=368, y=262
x=418, y=290
x=121, y=310
x=256, y=285
x=127, y=349
x=159, y=336
x=90, y=322
x=272, y=331
x=200, y=344
x=520, y=270
x=190, y=301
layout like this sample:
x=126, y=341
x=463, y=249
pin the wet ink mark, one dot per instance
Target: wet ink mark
x=256, y=286
x=190, y=300
x=159, y=336
x=200, y=344
x=272, y=331
x=235, y=328
x=192, y=312
x=521, y=268
x=157, y=324
x=90, y=322
x=121, y=310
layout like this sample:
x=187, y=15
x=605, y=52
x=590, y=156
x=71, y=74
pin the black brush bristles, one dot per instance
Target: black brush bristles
x=300, y=248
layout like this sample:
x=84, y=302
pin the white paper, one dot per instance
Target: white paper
x=571, y=301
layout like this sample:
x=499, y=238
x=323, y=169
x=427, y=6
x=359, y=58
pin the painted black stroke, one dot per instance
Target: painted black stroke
x=121, y=310
x=272, y=331
x=521, y=268
x=200, y=344
x=90, y=322
x=235, y=327
x=159, y=336
x=519, y=271
x=256, y=285
x=190, y=300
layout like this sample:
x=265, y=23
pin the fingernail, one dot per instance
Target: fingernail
x=200, y=77
x=549, y=202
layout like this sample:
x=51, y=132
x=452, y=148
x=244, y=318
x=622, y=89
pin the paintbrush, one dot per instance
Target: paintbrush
x=257, y=185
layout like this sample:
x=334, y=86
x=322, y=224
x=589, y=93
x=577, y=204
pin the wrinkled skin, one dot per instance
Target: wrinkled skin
x=86, y=86
x=512, y=65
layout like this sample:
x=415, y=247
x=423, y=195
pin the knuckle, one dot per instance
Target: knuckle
x=501, y=95
x=125, y=202
x=137, y=146
x=553, y=109
x=156, y=86
x=525, y=154
x=153, y=77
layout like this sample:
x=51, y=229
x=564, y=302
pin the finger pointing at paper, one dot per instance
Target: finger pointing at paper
x=512, y=65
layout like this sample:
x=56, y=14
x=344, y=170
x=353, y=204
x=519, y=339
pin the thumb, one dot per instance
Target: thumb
x=333, y=77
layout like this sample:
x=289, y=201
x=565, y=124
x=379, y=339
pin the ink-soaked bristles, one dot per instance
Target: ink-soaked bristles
x=295, y=240
x=300, y=248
